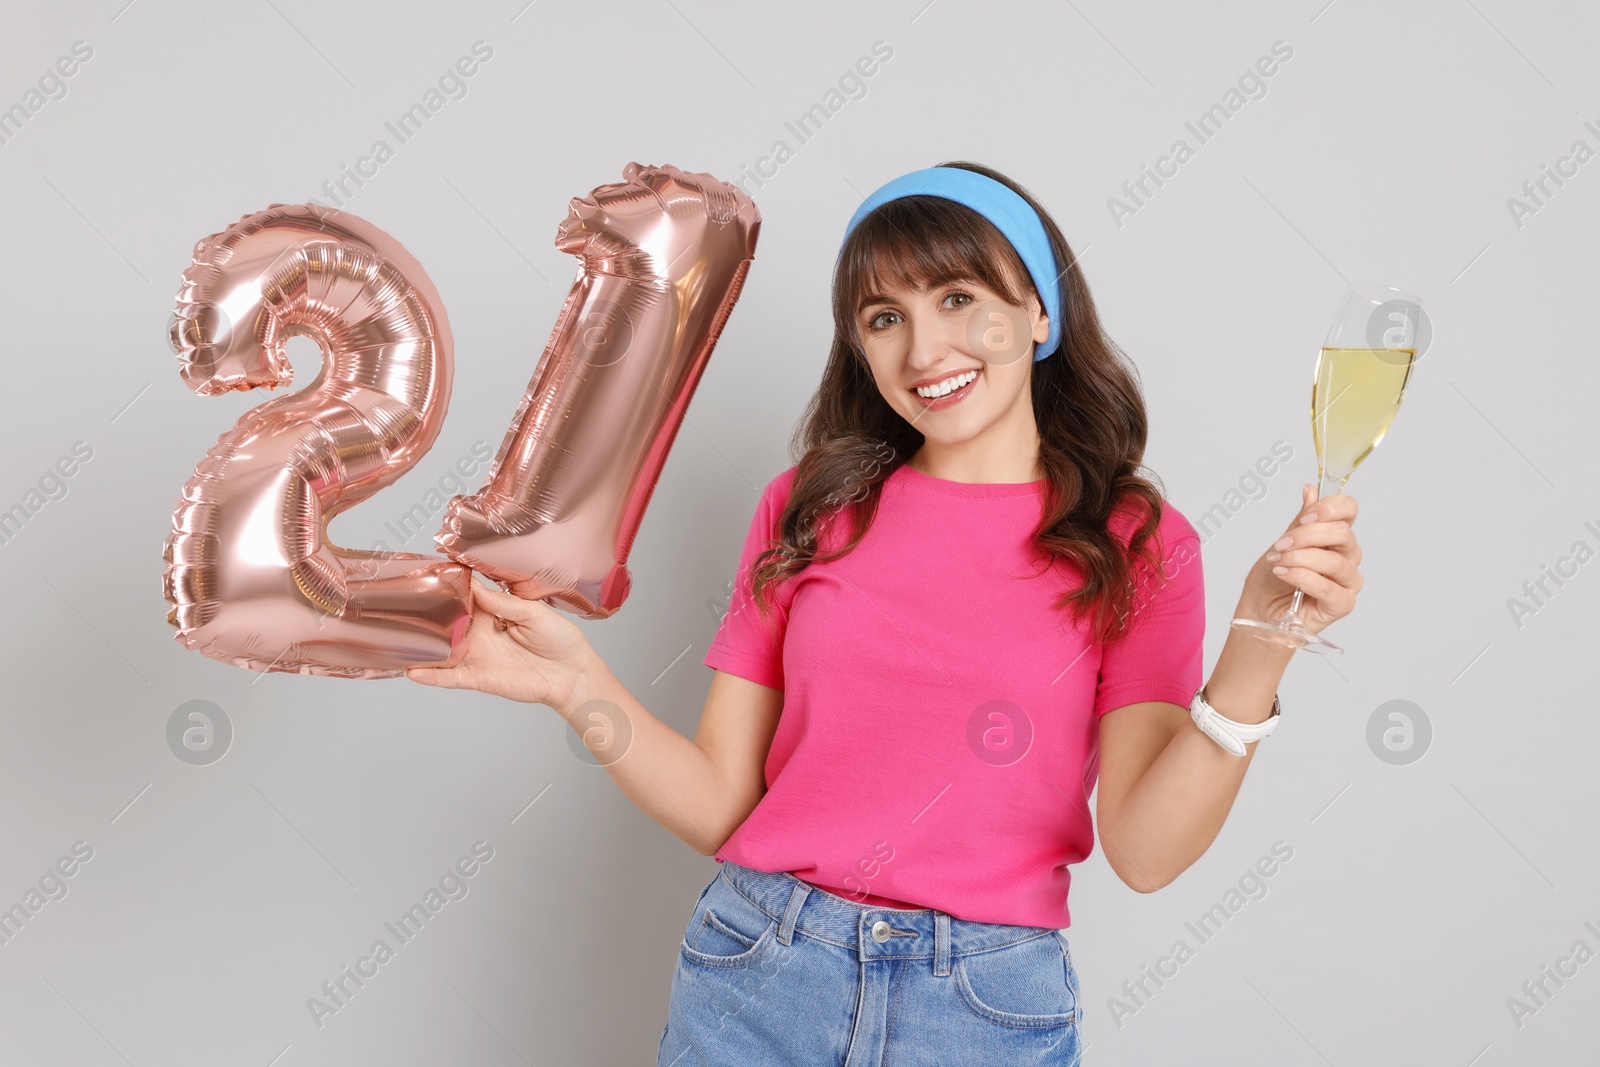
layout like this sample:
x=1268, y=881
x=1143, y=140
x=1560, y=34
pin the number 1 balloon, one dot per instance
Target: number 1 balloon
x=250, y=574
x=665, y=253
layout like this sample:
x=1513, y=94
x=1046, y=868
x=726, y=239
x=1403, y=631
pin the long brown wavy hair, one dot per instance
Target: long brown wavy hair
x=1086, y=403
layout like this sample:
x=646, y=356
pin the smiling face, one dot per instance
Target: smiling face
x=954, y=359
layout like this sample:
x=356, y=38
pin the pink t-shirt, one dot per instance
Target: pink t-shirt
x=939, y=735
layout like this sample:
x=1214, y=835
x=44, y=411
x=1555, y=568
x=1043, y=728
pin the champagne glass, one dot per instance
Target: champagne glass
x=1361, y=376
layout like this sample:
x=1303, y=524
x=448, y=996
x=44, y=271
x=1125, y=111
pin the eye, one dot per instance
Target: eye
x=965, y=297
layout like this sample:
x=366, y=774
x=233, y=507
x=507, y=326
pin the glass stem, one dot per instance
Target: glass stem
x=1299, y=594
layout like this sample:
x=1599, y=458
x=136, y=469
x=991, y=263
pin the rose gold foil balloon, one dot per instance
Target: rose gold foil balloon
x=251, y=576
x=664, y=255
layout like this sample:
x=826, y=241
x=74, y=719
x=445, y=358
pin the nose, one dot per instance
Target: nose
x=929, y=342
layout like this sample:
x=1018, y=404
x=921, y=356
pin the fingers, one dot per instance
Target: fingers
x=442, y=677
x=1333, y=600
x=1308, y=497
x=504, y=605
x=1319, y=554
x=1339, y=506
x=1337, y=536
x=1327, y=563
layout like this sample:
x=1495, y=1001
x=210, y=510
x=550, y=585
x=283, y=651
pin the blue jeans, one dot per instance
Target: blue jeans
x=774, y=971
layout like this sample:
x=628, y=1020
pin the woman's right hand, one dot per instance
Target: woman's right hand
x=539, y=657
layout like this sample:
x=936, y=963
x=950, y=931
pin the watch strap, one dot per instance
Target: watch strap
x=1231, y=735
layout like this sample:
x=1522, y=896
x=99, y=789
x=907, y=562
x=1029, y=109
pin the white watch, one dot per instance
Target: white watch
x=1231, y=735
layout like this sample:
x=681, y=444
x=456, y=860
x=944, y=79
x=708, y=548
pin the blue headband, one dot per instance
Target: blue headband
x=1011, y=215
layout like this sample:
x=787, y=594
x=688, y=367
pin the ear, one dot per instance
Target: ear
x=1041, y=328
x=1036, y=311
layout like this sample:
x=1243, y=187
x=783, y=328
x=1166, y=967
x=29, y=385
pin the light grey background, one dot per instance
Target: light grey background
x=219, y=898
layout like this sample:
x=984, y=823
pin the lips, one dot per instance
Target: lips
x=952, y=397
x=942, y=379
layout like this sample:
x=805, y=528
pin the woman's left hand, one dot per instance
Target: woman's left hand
x=1319, y=556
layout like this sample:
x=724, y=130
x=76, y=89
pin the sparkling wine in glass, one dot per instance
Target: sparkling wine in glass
x=1361, y=376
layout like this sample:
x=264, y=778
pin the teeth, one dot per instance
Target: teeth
x=933, y=392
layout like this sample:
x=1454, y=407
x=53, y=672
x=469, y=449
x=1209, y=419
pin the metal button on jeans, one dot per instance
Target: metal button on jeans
x=880, y=931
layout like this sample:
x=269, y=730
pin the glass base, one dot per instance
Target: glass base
x=1289, y=632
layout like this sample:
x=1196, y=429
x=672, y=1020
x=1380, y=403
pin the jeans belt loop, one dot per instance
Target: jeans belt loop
x=797, y=897
x=941, y=944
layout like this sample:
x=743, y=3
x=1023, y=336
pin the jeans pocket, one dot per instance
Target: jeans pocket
x=726, y=930
x=1026, y=984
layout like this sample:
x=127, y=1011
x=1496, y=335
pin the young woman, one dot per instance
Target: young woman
x=956, y=612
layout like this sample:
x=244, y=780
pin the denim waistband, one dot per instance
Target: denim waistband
x=874, y=933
